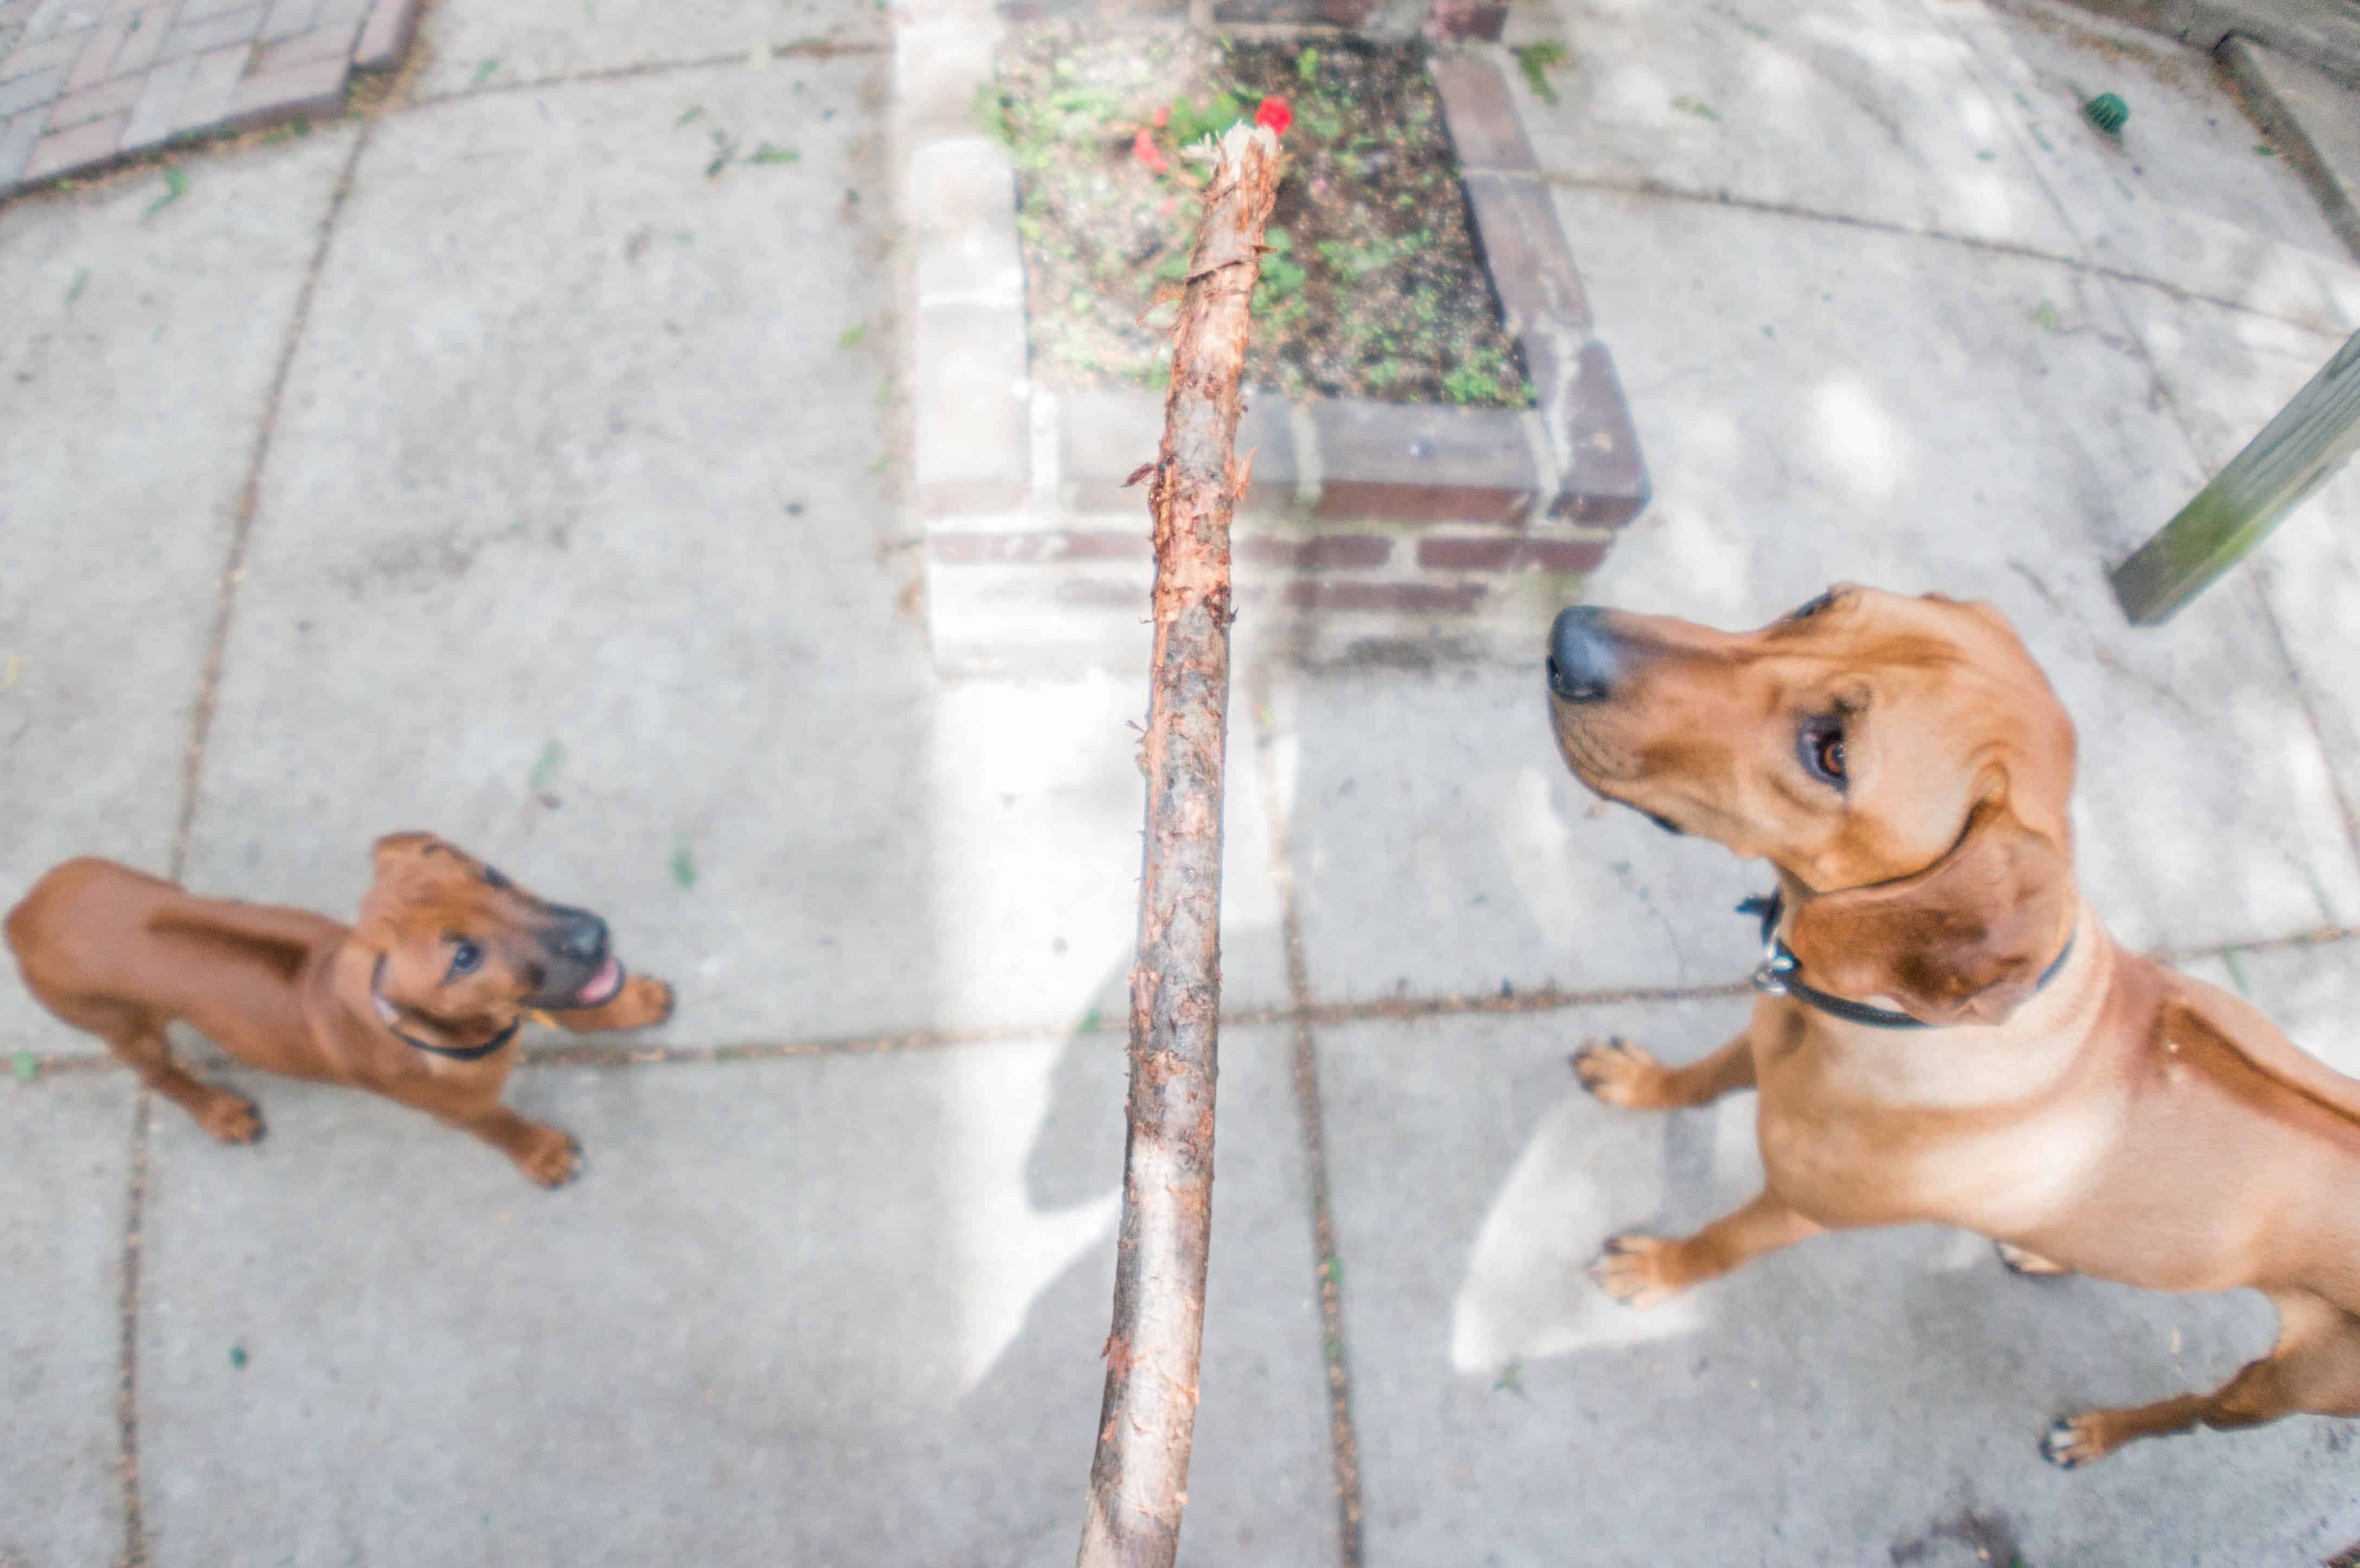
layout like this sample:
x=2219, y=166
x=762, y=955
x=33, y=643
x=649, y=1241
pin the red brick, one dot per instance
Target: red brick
x=202, y=35
x=1482, y=20
x=145, y=40
x=67, y=151
x=1511, y=552
x=95, y=64
x=1036, y=549
x=385, y=38
x=49, y=54
x=1422, y=598
x=93, y=103
x=1491, y=554
x=1098, y=594
x=211, y=87
x=1412, y=463
x=1484, y=124
x=974, y=425
x=1606, y=484
x=1320, y=551
x=21, y=95
x=320, y=43
x=314, y=91
x=1103, y=437
x=1523, y=249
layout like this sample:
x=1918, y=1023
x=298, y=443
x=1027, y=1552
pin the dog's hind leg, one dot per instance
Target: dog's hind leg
x=1621, y=1075
x=137, y=1037
x=2314, y=1368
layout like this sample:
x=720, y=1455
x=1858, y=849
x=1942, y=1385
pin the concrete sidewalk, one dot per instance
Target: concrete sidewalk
x=486, y=465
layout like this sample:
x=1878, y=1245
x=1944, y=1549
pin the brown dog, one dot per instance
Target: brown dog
x=1948, y=1033
x=419, y=1002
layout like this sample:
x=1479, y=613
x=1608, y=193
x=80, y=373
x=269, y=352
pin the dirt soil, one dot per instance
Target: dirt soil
x=1373, y=289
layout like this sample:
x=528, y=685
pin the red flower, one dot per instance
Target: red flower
x=1144, y=149
x=1274, y=113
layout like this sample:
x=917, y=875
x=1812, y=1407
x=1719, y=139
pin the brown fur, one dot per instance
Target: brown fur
x=2126, y=1121
x=122, y=954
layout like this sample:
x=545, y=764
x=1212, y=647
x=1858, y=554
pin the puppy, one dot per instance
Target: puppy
x=419, y=1002
x=1946, y=1031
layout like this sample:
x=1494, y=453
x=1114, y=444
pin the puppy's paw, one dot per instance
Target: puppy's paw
x=1639, y=1271
x=230, y=1119
x=646, y=1001
x=2076, y=1441
x=2031, y=1264
x=550, y=1157
x=1620, y=1073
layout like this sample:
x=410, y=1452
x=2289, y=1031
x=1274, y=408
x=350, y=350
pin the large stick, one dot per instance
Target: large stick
x=1139, y=1479
x=2297, y=452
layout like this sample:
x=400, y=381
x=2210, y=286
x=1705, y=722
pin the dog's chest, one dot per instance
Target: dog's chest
x=1869, y=1135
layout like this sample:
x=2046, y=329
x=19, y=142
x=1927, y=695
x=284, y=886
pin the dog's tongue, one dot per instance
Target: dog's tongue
x=601, y=983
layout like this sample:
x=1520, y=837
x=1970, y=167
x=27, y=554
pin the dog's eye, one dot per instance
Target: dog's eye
x=1806, y=611
x=466, y=957
x=1822, y=747
x=492, y=876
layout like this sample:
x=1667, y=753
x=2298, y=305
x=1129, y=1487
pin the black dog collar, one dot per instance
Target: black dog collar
x=454, y=1052
x=1775, y=976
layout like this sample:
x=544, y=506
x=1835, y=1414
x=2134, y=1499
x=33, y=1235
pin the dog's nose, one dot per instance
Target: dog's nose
x=1581, y=658
x=582, y=937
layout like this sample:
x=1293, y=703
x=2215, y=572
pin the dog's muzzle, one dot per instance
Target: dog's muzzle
x=1583, y=661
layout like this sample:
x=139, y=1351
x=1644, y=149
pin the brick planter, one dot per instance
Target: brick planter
x=1370, y=530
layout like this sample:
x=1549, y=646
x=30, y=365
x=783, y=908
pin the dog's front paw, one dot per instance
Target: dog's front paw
x=549, y=1157
x=1639, y=1271
x=2076, y=1441
x=230, y=1119
x=1620, y=1073
x=646, y=1002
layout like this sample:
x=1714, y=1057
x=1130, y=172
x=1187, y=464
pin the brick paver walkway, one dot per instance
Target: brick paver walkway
x=86, y=82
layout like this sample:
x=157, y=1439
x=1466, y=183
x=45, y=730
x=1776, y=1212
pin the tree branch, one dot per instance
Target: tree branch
x=1139, y=1478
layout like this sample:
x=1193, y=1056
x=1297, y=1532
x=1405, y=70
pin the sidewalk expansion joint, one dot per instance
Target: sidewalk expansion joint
x=800, y=48
x=1665, y=192
x=1344, y=1443
x=1310, y=1013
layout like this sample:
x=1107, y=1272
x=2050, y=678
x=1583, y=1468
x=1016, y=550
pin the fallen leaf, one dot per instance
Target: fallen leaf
x=82, y=280
x=484, y=72
x=237, y=1356
x=766, y=153
x=176, y=185
x=852, y=335
x=683, y=864
x=26, y=1068
x=545, y=765
x=691, y=113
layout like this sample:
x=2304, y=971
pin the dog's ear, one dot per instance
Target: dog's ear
x=396, y=846
x=1964, y=941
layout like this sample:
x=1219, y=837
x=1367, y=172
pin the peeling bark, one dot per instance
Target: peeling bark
x=1139, y=1478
